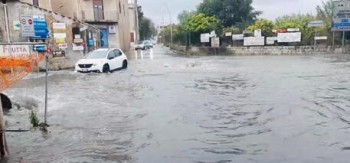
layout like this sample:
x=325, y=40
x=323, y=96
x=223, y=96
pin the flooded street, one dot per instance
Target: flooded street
x=170, y=109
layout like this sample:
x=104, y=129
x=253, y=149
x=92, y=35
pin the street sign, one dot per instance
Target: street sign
x=293, y=30
x=40, y=27
x=215, y=42
x=27, y=26
x=257, y=33
x=321, y=38
x=40, y=48
x=341, y=18
x=228, y=34
x=205, y=37
x=317, y=23
x=238, y=37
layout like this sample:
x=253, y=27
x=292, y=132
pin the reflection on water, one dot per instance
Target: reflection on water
x=210, y=109
x=144, y=54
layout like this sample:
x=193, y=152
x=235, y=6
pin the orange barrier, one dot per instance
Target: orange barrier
x=14, y=69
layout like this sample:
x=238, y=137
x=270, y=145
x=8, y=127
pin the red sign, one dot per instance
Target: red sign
x=30, y=21
x=282, y=31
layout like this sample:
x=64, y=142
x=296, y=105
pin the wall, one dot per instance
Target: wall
x=65, y=7
x=266, y=50
x=133, y=21
x=46, y=4
x=126, y=26
x=113, y=16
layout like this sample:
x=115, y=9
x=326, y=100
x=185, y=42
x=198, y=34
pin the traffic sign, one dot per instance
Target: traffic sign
x=40, y=48
x=40, y=27
x=27, y=26
x=318, y=23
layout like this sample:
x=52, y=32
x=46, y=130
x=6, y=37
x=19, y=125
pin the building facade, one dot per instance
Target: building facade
x=134, y=22
x=62, y=40
x=110, y=16
x=45, y=4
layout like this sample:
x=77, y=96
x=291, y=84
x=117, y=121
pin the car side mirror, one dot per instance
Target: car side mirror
x=110, y=58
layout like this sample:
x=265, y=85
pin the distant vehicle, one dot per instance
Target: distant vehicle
x=148, y=44
x=140, y=46
x=144, y=45
x=102, y=60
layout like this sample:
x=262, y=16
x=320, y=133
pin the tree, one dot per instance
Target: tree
x=185, y=16
x=325, y=13
x=230, y=12
x=203, y=23
x=233, y=30
x=265, y=25
x=147, y=28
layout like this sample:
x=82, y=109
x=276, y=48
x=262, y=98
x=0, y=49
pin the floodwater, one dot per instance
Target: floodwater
x=170, y=109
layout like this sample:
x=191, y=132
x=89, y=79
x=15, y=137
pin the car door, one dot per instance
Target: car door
x=119, y=58
x=112, y=60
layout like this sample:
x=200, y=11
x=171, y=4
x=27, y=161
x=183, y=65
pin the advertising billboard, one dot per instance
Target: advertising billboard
x=205, y=37
x=289, y=37
x=254, y=41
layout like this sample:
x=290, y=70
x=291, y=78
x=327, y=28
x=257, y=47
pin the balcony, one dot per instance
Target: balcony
x=100, y=16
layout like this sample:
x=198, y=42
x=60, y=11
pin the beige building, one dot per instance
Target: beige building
x=134, y=21
x=46, y=4
x=110, y=16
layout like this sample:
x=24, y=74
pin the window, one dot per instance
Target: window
x=36, y=2
x=111, y=55
x=98, y=9
x=118, y=52
x=120, y=8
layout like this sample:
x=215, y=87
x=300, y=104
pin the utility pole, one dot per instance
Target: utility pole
x=137, y=21
x=7, y=28
x=343, y=42
x=171, y=23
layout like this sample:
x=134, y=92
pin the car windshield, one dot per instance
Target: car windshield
x=98, y=54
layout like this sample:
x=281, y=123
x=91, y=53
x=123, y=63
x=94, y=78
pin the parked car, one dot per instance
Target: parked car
x=102, y=60
x=140, y=46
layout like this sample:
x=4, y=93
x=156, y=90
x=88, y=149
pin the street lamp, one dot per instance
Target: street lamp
x=171, y=24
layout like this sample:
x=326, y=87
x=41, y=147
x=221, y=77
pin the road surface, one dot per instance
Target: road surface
x=170, y=109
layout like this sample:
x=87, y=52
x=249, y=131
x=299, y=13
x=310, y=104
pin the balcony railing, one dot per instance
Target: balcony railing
x=102, y=16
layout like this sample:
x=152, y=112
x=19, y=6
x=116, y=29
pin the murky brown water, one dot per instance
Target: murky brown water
x=170, y=109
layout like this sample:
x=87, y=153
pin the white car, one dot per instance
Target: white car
x=102, y=60
x=140, y=46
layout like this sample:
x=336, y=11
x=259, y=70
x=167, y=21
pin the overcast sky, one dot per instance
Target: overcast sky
x=157, y=9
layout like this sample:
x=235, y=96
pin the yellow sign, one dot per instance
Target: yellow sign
x=60, y=40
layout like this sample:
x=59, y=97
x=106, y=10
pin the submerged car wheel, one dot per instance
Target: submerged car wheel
x=125, y=64
x=106, y=68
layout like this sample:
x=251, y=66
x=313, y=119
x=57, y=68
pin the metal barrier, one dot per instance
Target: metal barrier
x=17, y=60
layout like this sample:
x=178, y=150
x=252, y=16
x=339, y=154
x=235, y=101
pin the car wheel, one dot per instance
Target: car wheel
x=125, y=64
x=105, y=68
